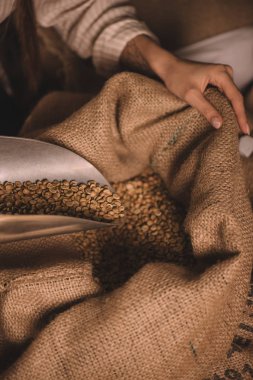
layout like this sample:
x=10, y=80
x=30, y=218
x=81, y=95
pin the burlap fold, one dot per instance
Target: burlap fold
x=167, y=321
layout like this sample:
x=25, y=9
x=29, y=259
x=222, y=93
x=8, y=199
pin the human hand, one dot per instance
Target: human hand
x=186, y=79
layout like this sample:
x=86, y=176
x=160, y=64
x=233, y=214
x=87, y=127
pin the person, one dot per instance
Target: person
x=110, y=32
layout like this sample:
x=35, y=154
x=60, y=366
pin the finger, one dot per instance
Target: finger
x=195, y=98
x=229, y=70
x=236, y=99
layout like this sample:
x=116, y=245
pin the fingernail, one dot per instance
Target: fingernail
x=216, y=123
x=247, y=129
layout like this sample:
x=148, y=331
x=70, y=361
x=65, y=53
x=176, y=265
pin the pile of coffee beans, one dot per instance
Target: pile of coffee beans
x=70, y=198
x=152, y=230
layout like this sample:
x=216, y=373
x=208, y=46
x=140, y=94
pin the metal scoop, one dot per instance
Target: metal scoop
x=30, y=160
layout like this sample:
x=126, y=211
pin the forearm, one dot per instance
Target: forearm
x=145, y=56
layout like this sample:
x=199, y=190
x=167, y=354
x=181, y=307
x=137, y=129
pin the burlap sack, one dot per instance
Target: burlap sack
x=167, y=321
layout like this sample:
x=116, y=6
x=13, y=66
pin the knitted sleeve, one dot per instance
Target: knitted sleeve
x=99, y=29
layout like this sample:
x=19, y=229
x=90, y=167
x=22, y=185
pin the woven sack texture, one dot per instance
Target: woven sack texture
x=185, y=313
